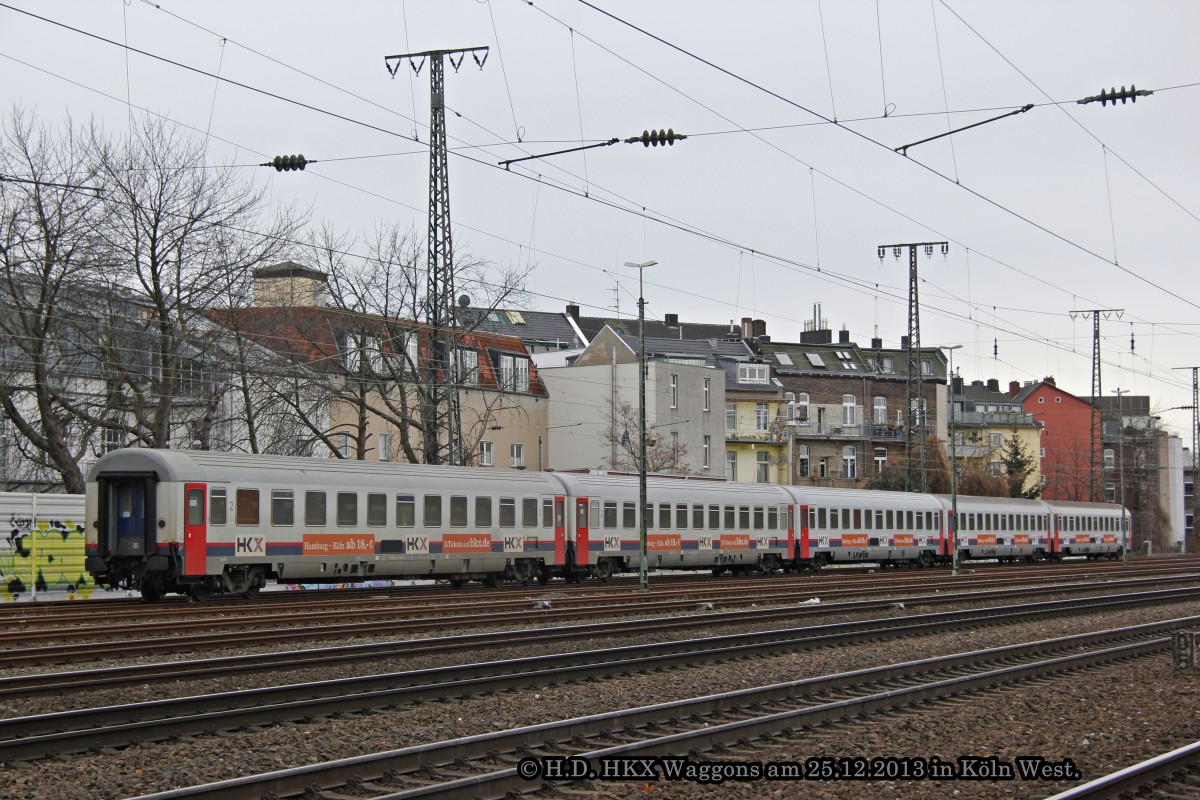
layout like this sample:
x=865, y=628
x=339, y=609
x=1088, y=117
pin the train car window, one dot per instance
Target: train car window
x=595, y=513
x=730, y=518
x=314, y=509
x=772, y=518
x=458, y=511
x=648, y=515
x=744, y=518
x=581, y=516
x=879, y=520
x=889, y=521
x=857, y=524
x=714, y=518
x=821, y=519
x=758, y=518
x=681, y=516
x=377, y=509
x=908, y=516
x=195, y=506
x=835, y=519
x=216, y=506
x=559, y=520
x=698, y=516
x=610, y=514
x=868, y=520
x=483, y=512
x=812, y=518
x=664, y=516
x=529, y=507
x=629, y=515
x=791, y=523
x=920, y=520
x=282, y=507
x=347, y=508
x=1003, y=522
x=247, y=507
x=406, y=510
x=508, y=512
x=433, y=511
x=547, y=513
x=930, y=521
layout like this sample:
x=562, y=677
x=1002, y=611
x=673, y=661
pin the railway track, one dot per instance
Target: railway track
x=1171, y=775
x=29, y=647
x=30, y=737
x=604, y=745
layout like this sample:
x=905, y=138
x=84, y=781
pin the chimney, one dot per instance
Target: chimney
x=573, y=311
x=903, y=342
x=877, y=343
x=671, y=320
x=1050, y=380
x=764, y=339
x=957, y=385
x=747, y=328
x=1013, y=388
x=844, y=336
x=993, y=385
x=760, y=328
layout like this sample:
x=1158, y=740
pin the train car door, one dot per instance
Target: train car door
x=804, y=553
x=129, y=517
x=560, y=531
x=195, y=529
x=791, y=531
x=582, y=556
x=1054, y=544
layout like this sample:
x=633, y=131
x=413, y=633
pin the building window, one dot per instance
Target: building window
x=707, y=392
x=468, y=367
x=880, y=406
x=1110, y=494
x=675, y=447
x=849, y=409
x=1041, y=400
x=385, y=447
x=753, y=373
x=996, y=439
x=1110, y=458
x=850, y=462
x=674, y=391
x=880, y=459
x=706, y=451
x=113, y=438
x=516, y=454
x=763, y=465
x=802, y=461
x=887, y=364
x=730, y=465
x=823, y=467
x=802, y=408
x=485, y=454
x=731, y=416
x=514, y=374
x=760, y=416
x=926, y=366
x=344, y=445
x=1058, y=399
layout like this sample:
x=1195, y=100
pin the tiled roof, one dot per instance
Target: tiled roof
x=548, y=327
x=655, y=329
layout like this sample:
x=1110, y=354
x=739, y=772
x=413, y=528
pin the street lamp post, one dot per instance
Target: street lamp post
x=953, y=473
x=643, y=578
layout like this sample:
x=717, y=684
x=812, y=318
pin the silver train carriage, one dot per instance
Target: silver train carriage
x=199, y=522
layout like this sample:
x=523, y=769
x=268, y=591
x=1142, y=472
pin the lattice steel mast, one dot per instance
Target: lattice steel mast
x=1093, y=452
x=440, y=375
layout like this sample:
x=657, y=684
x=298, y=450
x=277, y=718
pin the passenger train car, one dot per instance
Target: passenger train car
x=201, y=523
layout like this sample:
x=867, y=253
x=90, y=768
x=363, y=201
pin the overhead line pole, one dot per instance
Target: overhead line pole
x=439, y=385
x=1093, y=455
x=1195, y=442
x=914, y=438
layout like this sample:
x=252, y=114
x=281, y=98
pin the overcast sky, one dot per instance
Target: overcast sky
x=768, y=207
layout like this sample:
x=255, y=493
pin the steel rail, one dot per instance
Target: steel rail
x=387, y=767
x=35, y=736
x=1124, y=781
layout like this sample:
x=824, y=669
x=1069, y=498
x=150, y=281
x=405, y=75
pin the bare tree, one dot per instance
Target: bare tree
x=50, y=211
x=663, y=452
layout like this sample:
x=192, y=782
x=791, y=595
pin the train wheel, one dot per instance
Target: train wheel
x=200, y=592
x=251, y=592
x=543, y=576
x=152, y=590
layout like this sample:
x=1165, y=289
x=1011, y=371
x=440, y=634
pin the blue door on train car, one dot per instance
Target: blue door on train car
x=128, y=499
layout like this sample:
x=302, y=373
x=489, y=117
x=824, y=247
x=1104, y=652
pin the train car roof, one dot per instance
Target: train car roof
x=1010, y=503
x=584, y=485
x=240, y=468
x=823, y=495
x=1077, y=506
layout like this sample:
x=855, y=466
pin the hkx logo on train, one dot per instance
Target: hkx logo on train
x=416, y=544
x=250, y=545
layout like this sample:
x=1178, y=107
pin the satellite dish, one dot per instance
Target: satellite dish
x=464, y=301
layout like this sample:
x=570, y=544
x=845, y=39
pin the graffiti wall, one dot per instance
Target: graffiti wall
x=42, y=546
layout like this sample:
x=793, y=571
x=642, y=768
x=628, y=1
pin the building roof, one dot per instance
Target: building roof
x=826, y=359
x=531, y=327
x=290, y=269
x=656, y=329
x=711, y=351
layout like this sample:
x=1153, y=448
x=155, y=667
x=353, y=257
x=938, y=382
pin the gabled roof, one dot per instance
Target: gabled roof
x=1030, y=389
x=540, y=327
x=655, y=329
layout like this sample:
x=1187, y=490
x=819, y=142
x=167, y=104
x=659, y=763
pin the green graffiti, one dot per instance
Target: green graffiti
x=46, y=555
